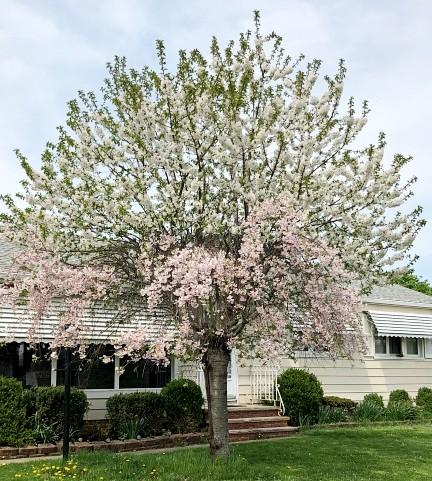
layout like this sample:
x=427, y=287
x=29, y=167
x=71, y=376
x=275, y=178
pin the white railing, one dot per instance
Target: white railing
x=264, y=386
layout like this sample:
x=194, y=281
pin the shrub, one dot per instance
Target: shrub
x=329, y=414
x=374, y=398
x=369, y=410
x=13, y=425
x=399, y=396
x=301, y=393
x=400, y=411
x=148, y=407
x=183, y=403
x=424, y=399
x=46, y=406
x=346, y=404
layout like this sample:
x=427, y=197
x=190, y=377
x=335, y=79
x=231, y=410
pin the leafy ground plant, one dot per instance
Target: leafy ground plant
x=368, y=410
x=132, y=428
x=45, y=433
x=400, y=411
x=329, y=414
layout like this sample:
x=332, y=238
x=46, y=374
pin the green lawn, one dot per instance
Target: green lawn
x=397, y=453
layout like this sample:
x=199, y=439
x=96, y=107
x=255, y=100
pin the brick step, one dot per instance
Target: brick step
x=258, y=422
x=252, y=412
x=262, y=433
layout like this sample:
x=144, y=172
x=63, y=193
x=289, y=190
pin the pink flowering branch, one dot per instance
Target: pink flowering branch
x=279, y=293
x=42, y=283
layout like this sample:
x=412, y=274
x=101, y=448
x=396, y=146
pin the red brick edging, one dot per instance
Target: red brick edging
x=114, y=446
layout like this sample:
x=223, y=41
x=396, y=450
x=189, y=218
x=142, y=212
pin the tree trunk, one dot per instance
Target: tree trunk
x=216, y=372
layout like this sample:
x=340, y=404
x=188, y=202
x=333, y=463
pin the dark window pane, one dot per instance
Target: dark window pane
x=16, y=360
x=412, y=346
x=8, y=360
x=144, y=374
x=380, y=345
x=395, y=345
x=89, y=373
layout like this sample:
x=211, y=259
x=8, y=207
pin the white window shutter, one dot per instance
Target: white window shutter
x=428, y=348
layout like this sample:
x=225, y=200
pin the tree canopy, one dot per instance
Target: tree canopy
x=412, y=281
x=228, y=192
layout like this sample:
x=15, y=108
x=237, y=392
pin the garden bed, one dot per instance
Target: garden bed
x=116, y=446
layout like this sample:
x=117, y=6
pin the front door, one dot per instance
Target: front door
x=232, y=379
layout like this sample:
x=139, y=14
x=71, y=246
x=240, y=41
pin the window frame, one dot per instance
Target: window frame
x=404, y=352
x=174, y=375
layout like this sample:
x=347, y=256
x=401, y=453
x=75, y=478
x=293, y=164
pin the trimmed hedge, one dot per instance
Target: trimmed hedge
x=399, y=396
x=48, y=404
x=424, y=399
x=339, y=402
x=183, y=403
x=302, y=395
x=147, y=408
x=13, y=421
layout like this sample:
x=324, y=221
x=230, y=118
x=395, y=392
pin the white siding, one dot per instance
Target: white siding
x=354, y=379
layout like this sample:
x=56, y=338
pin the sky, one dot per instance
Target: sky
x=50, y=49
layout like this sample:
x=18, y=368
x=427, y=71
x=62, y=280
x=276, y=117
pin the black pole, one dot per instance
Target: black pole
x=67, y=390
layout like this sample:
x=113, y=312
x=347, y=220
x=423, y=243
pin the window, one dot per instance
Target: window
x=16, y=360
x=89, y=373
x=412, y=346
x=144, y=374
x=380, y=345
x=393, y=346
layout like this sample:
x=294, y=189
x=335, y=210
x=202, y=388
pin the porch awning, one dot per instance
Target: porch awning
x=402, y=325
x=100, y=324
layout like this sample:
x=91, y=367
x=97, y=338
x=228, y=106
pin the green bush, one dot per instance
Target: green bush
x=46, y=406
x=329, y=414
x=400, y=411
x=399, y=396
x=147, y=407
x=374, y=398
x=301, y=393
x=13, y=425
x=183, y=403
x=346, y=404
x=424, y=399
x=369, y=410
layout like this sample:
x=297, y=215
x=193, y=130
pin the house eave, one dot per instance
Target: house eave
x=392, y=302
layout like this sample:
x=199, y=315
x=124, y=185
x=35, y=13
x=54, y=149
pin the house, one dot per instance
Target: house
x=397, y=323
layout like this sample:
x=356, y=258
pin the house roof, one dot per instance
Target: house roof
x=399, y=295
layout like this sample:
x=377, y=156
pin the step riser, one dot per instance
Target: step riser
x=260, y=424
x=253, y=413
x=264, y=435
